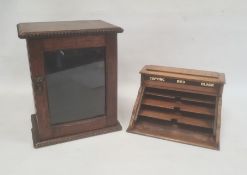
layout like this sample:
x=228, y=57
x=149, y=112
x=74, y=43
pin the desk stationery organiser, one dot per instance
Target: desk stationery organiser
x=181, y=105
x=74, y=77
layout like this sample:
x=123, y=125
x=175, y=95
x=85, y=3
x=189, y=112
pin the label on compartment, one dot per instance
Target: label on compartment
x=157, y=79
x=205, y=84
x=179, y=81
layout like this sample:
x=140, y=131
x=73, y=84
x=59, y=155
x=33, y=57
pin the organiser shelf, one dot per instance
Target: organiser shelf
x=178, y=104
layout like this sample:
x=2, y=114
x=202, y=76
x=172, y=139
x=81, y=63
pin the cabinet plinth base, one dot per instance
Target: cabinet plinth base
x=37, y=143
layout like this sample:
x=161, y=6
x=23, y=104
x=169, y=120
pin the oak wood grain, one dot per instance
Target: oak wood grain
x=52, y=36
x=178, y=104
x=65, y=28
x=200, y=121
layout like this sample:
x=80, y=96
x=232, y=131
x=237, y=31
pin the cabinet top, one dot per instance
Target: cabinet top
x=65, y=28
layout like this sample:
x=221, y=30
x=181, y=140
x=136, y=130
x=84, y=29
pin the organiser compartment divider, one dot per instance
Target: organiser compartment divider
x=179, y=117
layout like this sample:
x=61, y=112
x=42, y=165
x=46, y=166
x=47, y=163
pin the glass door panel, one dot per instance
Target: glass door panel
x=76, y=84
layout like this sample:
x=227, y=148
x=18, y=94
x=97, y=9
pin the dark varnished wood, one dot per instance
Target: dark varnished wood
x=176, y=133
x=65, y=28
x=51, y=36
x=111, y=78
x=177, y=104
x=41, y=143
x=200, y=122
x=51, y=44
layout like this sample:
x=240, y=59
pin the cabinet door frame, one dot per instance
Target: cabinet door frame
x=36, y=49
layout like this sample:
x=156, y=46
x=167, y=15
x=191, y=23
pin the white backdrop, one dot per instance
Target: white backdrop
x=207, y=35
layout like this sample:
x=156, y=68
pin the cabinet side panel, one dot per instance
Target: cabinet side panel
x=111, y=78
x=136, y=107
x=218, y=121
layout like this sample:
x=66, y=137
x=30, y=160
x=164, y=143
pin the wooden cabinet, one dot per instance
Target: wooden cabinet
x=180, y=105
x=73, y=69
